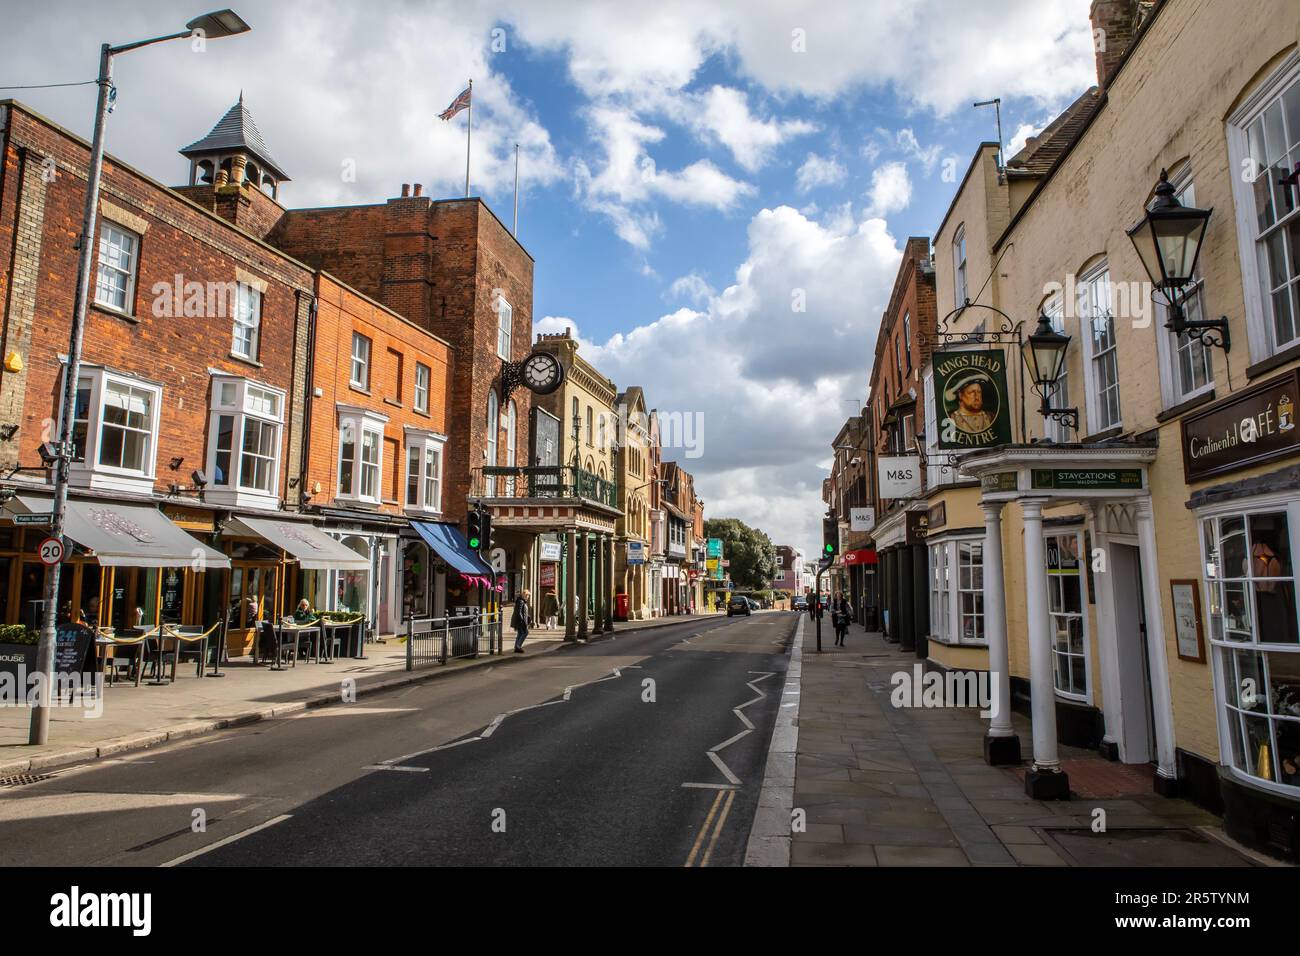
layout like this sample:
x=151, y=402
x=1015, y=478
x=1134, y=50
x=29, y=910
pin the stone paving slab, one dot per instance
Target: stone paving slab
x=909, y=787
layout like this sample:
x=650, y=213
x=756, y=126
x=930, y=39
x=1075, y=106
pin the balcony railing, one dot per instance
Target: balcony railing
x=543, y=481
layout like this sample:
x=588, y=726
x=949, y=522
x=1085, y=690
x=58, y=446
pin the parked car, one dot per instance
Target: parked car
x=753, y=605
x=800, y=604
x=738, y=605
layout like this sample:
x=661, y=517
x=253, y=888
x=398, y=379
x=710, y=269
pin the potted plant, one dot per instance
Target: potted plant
x=17, y=648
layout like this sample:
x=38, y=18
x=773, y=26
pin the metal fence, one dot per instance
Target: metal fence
x=440, y=639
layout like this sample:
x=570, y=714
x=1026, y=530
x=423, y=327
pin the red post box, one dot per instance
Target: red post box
x=620, y=606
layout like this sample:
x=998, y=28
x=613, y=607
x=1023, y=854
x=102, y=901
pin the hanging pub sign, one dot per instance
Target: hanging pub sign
x=1252, y=426
x=970, y=395
x=918, y=526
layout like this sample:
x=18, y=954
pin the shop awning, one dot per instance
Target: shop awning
x=861, y=556
x=124, y=535
x=312, y=548
x=452, y=547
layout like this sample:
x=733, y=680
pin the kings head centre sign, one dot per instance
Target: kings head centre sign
x=970, y=398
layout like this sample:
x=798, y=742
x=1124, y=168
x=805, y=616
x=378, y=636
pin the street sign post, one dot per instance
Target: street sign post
x=51, y=552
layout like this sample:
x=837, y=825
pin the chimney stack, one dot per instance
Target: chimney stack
x=419, y=189
x=406, y=190
x=1114, y=24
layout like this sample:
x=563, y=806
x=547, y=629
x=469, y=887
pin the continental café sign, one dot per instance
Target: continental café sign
x=1248, y=428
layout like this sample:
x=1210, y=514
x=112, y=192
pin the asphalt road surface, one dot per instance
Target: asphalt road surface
x=647, y=749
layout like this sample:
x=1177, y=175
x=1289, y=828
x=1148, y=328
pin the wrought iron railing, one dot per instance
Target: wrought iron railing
x=544, y=481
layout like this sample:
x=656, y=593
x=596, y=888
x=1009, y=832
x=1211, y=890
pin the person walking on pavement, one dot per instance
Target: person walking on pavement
x=842, y=611
x=521, y=619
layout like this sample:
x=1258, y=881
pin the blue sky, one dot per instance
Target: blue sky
x=690, y=170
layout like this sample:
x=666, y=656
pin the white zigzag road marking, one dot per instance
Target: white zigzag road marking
x=712, y=752
x=496, y=722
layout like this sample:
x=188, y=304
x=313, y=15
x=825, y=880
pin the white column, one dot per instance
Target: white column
x=1042, y=691
x=995, y=621
x=1158, y=662
x=1107, y=635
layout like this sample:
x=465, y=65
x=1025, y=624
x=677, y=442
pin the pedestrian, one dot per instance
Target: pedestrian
x=842, y=613
x=550, y=609
x=521, y=619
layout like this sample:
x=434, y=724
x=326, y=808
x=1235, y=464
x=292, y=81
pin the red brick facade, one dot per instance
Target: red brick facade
x=42, y=194
x=439, y=264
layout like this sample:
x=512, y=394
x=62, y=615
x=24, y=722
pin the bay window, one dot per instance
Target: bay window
x=114, y=431
x=957, y=591
x=361, y=442
x=1067, y=622
x=245, y=423
x=1250, y=589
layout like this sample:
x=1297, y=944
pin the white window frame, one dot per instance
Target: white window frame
x=421, y=398
x=960, y=288
x=1259, y=310
x=1087, y=311
x=248, y=321
x=90, y=473
x=103, y=266
x=1219, y=649
x=946, y=590
x=1170, y=346
x=492, y=448
x=1082, y=614
x=244, y=401
x=364, y=423
x=360, y=362
x=429, y=449
x=505, y=327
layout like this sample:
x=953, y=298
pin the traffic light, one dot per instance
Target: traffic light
x=485, y=530
x=474, y=521
x=830, y=537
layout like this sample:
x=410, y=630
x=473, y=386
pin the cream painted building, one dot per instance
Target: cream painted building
x=634, y=476
x=1138, y=588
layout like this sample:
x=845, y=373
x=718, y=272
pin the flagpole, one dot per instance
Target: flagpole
x=516, y=229
x=469, y=124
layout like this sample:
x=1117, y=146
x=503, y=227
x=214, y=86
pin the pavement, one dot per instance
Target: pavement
x=644, y=749
x=133, y=718
x=887, y=786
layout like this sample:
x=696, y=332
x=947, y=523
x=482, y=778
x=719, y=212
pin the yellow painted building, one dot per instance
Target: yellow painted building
x=1144, y=597
x=632, y=541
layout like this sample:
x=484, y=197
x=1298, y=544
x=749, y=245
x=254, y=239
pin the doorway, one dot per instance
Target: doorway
x=1137, y=742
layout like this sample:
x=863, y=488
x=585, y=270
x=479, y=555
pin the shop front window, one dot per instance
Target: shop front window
x=1251, y=610
x=1065, y=613
x=957, y=591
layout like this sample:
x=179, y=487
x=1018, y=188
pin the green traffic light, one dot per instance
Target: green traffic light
x=473, y=542
x=830, y=548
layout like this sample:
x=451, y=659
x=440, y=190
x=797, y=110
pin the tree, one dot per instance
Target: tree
x=753, y=562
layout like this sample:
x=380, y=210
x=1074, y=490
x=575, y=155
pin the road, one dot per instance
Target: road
x=647, y=749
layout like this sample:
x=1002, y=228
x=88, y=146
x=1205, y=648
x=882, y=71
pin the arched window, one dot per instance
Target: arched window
x=511, y=419
x=493, y=428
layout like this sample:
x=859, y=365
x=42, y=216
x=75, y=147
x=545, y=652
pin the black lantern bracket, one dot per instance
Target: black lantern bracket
x=1005, y=330
x=1211, y=333
x=1045, y=358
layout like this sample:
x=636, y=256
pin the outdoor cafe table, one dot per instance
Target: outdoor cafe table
x=352, y=641
x=302, y=630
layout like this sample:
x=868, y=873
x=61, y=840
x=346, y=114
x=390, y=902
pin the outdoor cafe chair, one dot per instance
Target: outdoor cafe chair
x=137, y=644
x=280, y=640
x=190, y=642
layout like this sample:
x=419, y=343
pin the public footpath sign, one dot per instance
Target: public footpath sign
x=51, y=552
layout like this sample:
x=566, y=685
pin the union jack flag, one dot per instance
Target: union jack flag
x=459, y=103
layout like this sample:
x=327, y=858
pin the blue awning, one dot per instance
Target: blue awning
x=452, y=547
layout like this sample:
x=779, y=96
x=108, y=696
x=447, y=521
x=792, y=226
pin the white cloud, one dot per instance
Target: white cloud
x=769, y=380
x=722, y=113
x=692, y=287
x=818, y=171
x=891, y=189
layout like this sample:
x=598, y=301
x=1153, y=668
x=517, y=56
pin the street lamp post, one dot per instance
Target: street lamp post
x=221, y=23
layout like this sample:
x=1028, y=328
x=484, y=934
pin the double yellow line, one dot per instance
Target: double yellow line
x=725, y=799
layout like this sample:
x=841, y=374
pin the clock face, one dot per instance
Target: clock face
x=543, y=373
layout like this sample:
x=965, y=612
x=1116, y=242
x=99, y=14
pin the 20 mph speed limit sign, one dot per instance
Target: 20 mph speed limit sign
x=51, y=551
